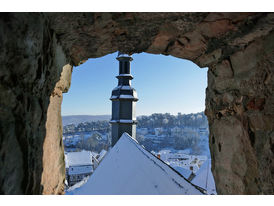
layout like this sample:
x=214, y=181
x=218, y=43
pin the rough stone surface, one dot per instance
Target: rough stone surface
x=53, y=176
x=31, y=63
x=238, y=48
x=240, y=112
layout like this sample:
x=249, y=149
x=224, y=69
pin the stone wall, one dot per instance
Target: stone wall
x=237, y=48
x=240, y=109
x=31, y=62
x=53, y=176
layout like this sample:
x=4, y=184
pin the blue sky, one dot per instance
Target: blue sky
x=163, y=84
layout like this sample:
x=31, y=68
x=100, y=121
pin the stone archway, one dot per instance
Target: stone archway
x=237, y=47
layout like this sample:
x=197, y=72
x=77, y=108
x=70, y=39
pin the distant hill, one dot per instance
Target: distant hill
x=76, y=119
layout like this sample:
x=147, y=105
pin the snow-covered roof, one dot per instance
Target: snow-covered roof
x=78, y=158
x=204, y=178
x=102, y=154
x=185, y=172
x=94, y=154
x=129, y=169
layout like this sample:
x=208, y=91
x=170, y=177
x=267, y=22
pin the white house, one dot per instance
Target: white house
x=78, y=166
x=142, y=131
x=158, y=131
x=176, y=131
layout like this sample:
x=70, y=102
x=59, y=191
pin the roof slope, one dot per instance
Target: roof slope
x=186, y=173
x=204, y=178
x=78, y=158
x=129, y=169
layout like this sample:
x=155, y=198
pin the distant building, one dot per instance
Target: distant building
x=190, y=134
x=184, y=163
x=97, y=135
x=203, y=131
x=154, y=138
x=142, y=131
x=176, y=131
x=158, y=131
x=71, y=141
x=78, y=166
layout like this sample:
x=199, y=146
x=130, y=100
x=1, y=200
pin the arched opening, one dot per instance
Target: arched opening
x=172, y=124
x=237, y=48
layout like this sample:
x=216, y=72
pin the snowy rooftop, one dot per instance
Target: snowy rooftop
x=185, y=172
x=78, y=158
x=129, y=169
x=102, y=155
x=204, y=178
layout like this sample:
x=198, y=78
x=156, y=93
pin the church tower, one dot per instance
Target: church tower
x=124, y=99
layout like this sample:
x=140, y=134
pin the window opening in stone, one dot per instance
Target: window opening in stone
x=170, y=114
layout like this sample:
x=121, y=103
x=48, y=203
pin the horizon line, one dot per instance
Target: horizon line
x=137, y=115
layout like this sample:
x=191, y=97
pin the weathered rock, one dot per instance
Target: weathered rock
x=241, y=101
x=234, y=164
x=53, y=176
x=238, y=48
x=31, y=63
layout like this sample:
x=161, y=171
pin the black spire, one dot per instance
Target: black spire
x=124, y=99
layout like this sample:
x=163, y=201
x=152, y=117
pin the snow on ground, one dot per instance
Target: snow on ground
x=129, y=169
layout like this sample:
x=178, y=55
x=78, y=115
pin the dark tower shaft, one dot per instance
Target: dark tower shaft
x=124, y=99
